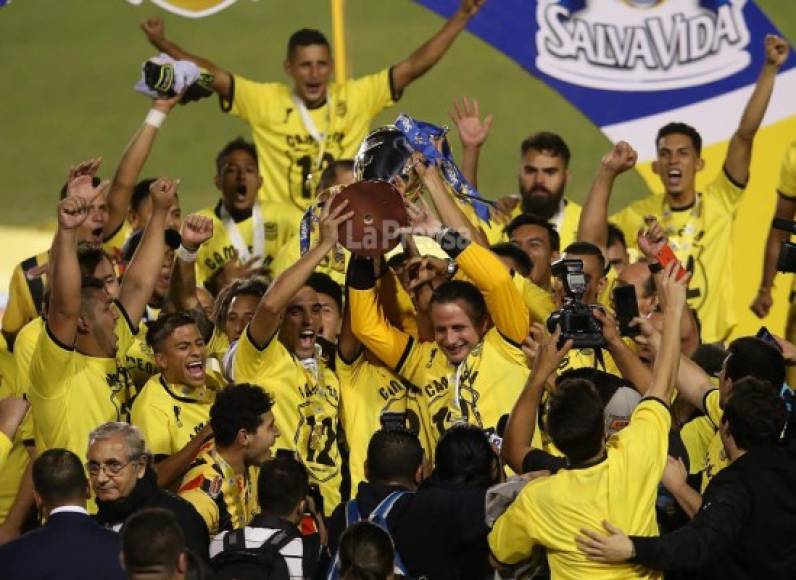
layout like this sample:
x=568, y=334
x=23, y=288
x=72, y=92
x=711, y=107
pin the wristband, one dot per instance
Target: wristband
x=452, y=268
x=155, y=118
x=655, y=267
x=186, y=255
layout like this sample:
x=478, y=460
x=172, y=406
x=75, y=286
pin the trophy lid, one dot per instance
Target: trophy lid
x=379, y=213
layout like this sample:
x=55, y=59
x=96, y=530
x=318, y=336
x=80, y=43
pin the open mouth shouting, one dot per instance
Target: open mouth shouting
x=195, y=370
x=306, y=340
x=674, y=177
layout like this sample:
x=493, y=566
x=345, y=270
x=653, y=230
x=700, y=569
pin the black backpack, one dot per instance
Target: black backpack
x=237, y=562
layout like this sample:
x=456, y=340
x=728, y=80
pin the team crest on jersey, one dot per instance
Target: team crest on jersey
x=641, y=45
x=341, y=109
x=271, y=230
x=191, y=8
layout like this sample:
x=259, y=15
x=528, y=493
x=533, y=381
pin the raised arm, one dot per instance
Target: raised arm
x=269, y=311
x=155, y=31
x=65, y=280
x=664, y=372
x=522, y=421
x=142, y=273
x=626, y=360
x=195, y=230
x=739, y=153
x=473, y=132
x=131, y=163
x=786, y=209
x=450, y=214
x=593, y=226
x=431, y=51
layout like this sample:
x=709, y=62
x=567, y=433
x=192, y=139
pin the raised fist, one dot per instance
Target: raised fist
x=196, y=230
x=776, y=50
x=154, y=29
x=619, y=159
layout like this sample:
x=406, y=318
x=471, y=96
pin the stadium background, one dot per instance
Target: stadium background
x=70, y=66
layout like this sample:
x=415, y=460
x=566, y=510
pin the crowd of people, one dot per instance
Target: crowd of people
x=233, y=394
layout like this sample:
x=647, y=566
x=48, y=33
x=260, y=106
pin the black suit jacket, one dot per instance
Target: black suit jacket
x=71, y=546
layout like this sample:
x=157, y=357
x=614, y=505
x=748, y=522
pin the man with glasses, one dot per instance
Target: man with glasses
x=124, y=482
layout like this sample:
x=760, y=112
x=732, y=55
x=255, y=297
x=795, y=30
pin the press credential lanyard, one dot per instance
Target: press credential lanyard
x=312, y=129
x=258, y=235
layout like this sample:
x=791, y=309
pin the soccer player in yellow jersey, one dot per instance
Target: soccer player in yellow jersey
x=247, y=232
x=699, y=225
x=470, y=373
x=129, y=205
x=617, y=480
x=222, y=482
x=279, y=352
x=173, y=408
x=29, y=278
x=300, y=129
x=76, y=380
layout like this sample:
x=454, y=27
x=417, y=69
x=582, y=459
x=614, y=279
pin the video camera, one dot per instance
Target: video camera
x=576, y=318
x=787, y=254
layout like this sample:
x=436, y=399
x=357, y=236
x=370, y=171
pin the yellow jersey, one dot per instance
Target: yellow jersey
x=26, y=292
x=565, y=221
x=278, y=223
x=169, y=415
x=114, y=243
x=72, y=394
x=14, y=458
x=368, y=391
x=701, y=237
x=482, y=388
x=715, y=457
x=290, y=159
x=306, y=408
x=139, y=360
x=225, y=500
x=697, y=435
x=787, y=172
x=24, y=346
x=621, y=488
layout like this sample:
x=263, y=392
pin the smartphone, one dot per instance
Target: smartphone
x=666, y=256
x=765, y=334
x=626, y=308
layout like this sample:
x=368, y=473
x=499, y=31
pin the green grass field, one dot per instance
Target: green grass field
x=69, y=67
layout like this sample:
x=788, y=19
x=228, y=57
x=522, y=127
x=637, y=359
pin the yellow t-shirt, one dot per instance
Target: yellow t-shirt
x=701, y=237
x=333, y=264
x=114, y=244
x=621, y=489
x=715, y=457
x=279, y=224
x=697, y=435
x=288, y=154
x=368, y=390
x=483, y=387
x=24, y=346
x=225, y=501
x=169, y=416
x=14, y=458
x=787, y=172
x=565, y=222
x=306, y=408
x=139, y=360
x=72, y=394
x=26, y=292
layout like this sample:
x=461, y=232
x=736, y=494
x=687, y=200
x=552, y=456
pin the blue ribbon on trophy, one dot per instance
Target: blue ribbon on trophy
x=422, y=137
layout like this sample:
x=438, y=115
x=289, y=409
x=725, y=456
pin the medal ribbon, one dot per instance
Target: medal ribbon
x=258, y=234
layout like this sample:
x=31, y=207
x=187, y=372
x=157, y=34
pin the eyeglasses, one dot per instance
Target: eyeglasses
x=111, y=468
